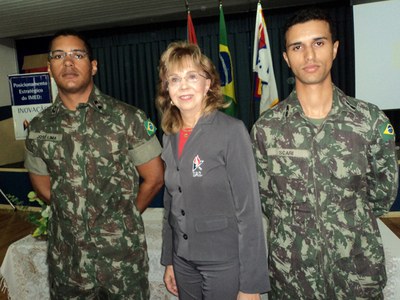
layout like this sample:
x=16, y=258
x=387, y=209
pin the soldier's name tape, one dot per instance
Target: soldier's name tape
x=288, y=152
x=43, y=136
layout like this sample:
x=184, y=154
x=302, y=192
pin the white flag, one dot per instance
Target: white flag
x=264, y=80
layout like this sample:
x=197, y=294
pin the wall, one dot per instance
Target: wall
x=377, y=48
x=8, y=63
x=12, y=151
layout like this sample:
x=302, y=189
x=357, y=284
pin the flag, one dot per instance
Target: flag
x=191, y=34
x=225, y=67
x=265, y=90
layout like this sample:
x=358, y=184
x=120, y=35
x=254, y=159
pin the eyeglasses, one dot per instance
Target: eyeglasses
x=190, y=77
x=59, y=55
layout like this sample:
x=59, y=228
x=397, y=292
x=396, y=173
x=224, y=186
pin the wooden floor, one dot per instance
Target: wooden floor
x=14, y=226
x=393, y=223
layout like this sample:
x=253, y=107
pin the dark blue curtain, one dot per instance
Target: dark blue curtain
x=128, y=59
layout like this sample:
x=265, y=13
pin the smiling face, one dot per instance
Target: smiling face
x=310, y=52
x=188, y=95
x=72, y=75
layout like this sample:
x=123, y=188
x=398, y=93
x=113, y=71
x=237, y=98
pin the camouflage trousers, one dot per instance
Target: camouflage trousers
x=105, y=280
x=138, y=290
x=99, y=293
x=278, y=293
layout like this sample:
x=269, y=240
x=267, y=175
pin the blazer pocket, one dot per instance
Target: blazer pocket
x=213, y=223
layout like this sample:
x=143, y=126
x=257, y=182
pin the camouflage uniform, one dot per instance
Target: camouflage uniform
x=321, y=190
x=96, y=236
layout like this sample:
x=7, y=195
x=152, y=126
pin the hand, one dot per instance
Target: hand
x=169, y=280
x=244, y=296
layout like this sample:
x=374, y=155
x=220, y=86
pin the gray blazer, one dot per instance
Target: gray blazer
x=212, y=203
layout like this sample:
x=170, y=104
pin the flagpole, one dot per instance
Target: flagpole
x=253, y=117
x=254, y=82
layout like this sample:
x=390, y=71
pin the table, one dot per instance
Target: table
x=391, y=246
x=24, y=268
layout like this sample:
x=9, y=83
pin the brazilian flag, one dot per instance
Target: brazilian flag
x=225, y=67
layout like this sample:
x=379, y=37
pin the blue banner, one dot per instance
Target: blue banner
x=31, y=88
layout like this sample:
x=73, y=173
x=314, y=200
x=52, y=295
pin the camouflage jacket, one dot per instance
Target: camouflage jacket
x=321, y=190
x=90, y=155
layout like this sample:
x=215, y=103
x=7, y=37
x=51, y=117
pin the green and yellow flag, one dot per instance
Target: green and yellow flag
x=225, y=67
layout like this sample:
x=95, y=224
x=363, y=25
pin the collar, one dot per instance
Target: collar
x=96, y=101
x=340, y=103
x=207, y=119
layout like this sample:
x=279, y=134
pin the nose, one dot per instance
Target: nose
x=68, y=60
x=309, y=53
x=183, y=83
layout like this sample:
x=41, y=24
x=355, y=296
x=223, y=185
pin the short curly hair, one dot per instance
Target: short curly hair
x=311, y=14
x=72, y=32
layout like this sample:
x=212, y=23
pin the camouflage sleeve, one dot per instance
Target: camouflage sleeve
x=35, y=164
x=146, y=151
x=383, y=167
x=260, y=153
x=144, y=144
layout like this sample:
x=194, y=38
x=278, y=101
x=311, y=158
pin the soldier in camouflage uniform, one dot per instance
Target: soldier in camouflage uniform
x=327, y=168
x=85, y=155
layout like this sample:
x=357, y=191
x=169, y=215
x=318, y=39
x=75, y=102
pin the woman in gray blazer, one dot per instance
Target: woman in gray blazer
x=213, y=239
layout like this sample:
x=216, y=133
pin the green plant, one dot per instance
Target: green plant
x=14, y=200
x=40, y=219
x=37, y=218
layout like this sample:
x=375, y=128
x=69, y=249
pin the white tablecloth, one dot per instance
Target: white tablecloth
x=391, y=244
x=24, y=268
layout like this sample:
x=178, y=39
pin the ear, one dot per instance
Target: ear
x=285, y=57
x=94, y=67
x=335, y=48
x=49, y=69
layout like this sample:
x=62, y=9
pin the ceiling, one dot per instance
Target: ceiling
x=31, y=18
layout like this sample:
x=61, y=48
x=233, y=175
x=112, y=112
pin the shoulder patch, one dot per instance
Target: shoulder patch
x=150, y=128
x=387, y=131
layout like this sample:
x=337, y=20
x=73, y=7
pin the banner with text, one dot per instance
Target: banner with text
x=30, y=94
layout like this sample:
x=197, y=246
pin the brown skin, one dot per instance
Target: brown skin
x=310, y=53
x=74, y=79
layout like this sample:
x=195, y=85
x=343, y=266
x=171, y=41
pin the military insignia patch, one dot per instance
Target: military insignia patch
x=387, y=131
x=150, y=128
